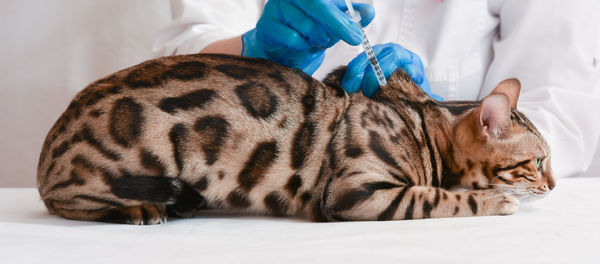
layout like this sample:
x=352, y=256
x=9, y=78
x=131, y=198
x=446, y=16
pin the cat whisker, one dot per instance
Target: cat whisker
x=512, y=190
x=509, y=187
x=493, y=196
x=503, y=194
x=525, y=197
x=498, y=184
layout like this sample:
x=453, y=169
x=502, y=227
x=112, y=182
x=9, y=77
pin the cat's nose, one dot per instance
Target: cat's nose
x=549, y=186
x=550, y=182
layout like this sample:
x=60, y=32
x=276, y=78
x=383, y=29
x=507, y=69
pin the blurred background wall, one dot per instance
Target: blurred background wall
x=49, y=50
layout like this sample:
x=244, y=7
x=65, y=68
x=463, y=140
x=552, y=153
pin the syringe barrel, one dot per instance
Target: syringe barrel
x=373, y=60
x=355, y=17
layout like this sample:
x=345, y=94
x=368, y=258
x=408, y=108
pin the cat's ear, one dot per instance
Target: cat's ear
x=511, y=88
x=492, y=116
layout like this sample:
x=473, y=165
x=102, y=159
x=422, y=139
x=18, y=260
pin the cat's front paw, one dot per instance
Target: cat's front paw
x=504, y=205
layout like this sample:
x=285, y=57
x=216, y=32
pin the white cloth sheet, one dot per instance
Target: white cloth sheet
x=563, y=228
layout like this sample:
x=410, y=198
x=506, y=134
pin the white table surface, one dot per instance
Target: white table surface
x=562, y=228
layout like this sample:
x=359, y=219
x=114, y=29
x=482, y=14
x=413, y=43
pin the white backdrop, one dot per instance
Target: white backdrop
x=52, y=49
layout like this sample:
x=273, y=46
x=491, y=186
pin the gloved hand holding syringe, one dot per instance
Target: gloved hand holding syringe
x=296, y=33
x=355, y=16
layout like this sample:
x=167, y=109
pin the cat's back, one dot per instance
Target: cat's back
x=183, y=116
x=176, y=86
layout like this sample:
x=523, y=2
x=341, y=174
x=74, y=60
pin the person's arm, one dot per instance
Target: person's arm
x=207, y=26
x=553, y=48
x=232, y=46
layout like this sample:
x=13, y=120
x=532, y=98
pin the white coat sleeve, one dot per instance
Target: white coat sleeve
x=198, y=23
x=553, y=48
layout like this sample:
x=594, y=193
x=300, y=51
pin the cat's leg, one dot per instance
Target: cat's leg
x=380, y=197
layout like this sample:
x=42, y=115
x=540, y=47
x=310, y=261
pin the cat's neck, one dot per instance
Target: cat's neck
x=439, y=122
x=440, y=126
x=449, y=133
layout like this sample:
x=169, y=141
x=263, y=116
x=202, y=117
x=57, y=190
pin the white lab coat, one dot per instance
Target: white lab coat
x=467, y=48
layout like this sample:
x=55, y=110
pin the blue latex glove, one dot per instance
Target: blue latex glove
x=296, y=33
x=360, y=75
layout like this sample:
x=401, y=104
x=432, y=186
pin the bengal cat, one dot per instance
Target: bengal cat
x=176, y=135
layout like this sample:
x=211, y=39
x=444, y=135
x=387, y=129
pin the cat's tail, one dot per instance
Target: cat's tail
x=138, y=199
x=178, y=196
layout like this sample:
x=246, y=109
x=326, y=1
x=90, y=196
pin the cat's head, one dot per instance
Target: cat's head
x=500, y=148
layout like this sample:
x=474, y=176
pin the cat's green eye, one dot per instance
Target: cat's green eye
x=538, y=163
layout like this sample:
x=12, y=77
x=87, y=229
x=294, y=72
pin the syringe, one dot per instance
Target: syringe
x=355, y=17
